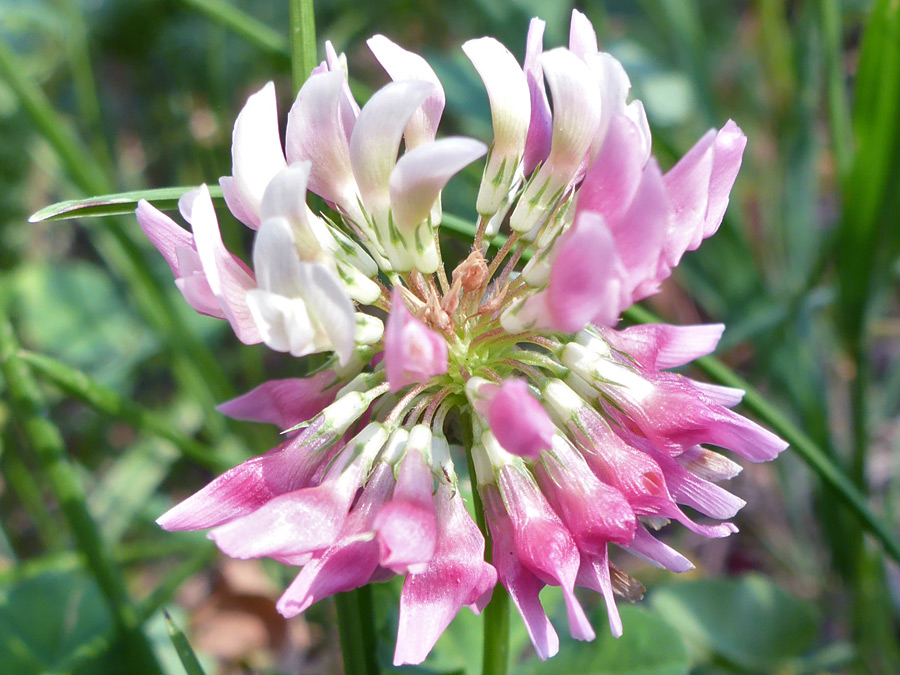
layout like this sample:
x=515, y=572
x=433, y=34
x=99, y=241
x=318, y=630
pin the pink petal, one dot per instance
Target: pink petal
x=582, y=38
x=524, y=587
x=236, y=205
x=518, y=420
x=351, y=561
x=730, y=144
x=412, y=351
x=285, y=403
x=298, y=522
x=542, y=542
x=246, y=487
x=594, y=574
x=540, y=128
x=315, y=133
x=229, y=278
x=456, y=576
x=256, y=149
x=660, y=345
x=420, y=175
x=164, y=233
x=349, y=107
x=406, y=527
x=401, y=64
x=646, y=546
x=585, y=281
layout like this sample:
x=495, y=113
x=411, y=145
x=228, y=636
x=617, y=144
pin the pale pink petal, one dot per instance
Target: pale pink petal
x=646, y=546
x=229, y=278
x=406, y=527
x=376, y=140
x=540, y=128
x=196, y=291
x=724, y=396
x=236, y=205
x=412, y=351
x=687, y=184
x=456, y=576
x=524, y=587
x=285, y=403
x=420, y=175
x=585, y=280
x=349, y=106
x=315, y=133
x=730, y=144
x=401, y=64
x=518, y=420
x=614, y=86
x=582, y=37
x=164, y=233
x=660, y=346
x=641, y=231
x=351, y=561
x=256, y=149
x=613, y=178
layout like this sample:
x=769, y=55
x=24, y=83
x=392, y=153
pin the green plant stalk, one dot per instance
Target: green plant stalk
x=195, y=367
x=495, y=652
x=185, y=652
x=17, y=476
x=243, y=24
x=838, y=104
x=804, y=446
x=108, y=402
x=49, y=448
x=303, y=41
x=359, y=647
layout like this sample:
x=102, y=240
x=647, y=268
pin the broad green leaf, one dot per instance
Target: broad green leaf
x=44, y=619
x=649, y=646
x=750, y=621
x=165, y=199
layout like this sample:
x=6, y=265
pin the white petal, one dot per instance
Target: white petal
x=256, y=152
x=283, y=322
x=376, y=139
x=275, y=258
x=421, y=174
x=582, y=37
x=285, y=197
x=510, y=99
x=330, y=306
x=614, y=88
x=401, y=64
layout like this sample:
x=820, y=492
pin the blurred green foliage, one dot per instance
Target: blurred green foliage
x=100, y=96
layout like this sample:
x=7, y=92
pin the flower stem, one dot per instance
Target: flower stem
x=303, y=41
x=357, y=630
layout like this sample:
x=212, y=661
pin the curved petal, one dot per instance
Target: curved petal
x=256, y=149
x=228, y=277
x=285, y=403
x=328, y=302
x=540, y=128
x=582, y=37
x=518, y=420
x=164, y=233
x=315, y=133
x=235, y=204
x=510, y=100
x=420, y=175
x=401, y=64
x=376, y=138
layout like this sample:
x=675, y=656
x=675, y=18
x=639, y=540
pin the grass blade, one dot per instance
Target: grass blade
x=303, y=41
x=185, y=652
x=121, y=203
x=243, y=24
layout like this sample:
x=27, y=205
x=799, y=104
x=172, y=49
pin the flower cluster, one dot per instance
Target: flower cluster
x=576, y=436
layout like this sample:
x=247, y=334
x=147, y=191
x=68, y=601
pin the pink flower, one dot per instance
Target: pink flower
x=577, y=435
x=413, y=352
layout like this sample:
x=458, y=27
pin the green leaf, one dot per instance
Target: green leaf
x=649, y=646
x=44, y=619
x=750, y=621
x=165, y=199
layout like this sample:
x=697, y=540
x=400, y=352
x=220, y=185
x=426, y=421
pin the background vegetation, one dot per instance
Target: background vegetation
x=109, y=381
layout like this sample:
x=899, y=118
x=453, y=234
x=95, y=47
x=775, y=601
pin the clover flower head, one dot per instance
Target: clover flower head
x=578, y=435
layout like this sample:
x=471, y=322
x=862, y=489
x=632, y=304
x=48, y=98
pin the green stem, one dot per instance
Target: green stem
x=359, y=646
x=303, y=41
x=802, y=444
x=107, y=401
x=243, y=24
x=495, y=652
x=49, y=448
